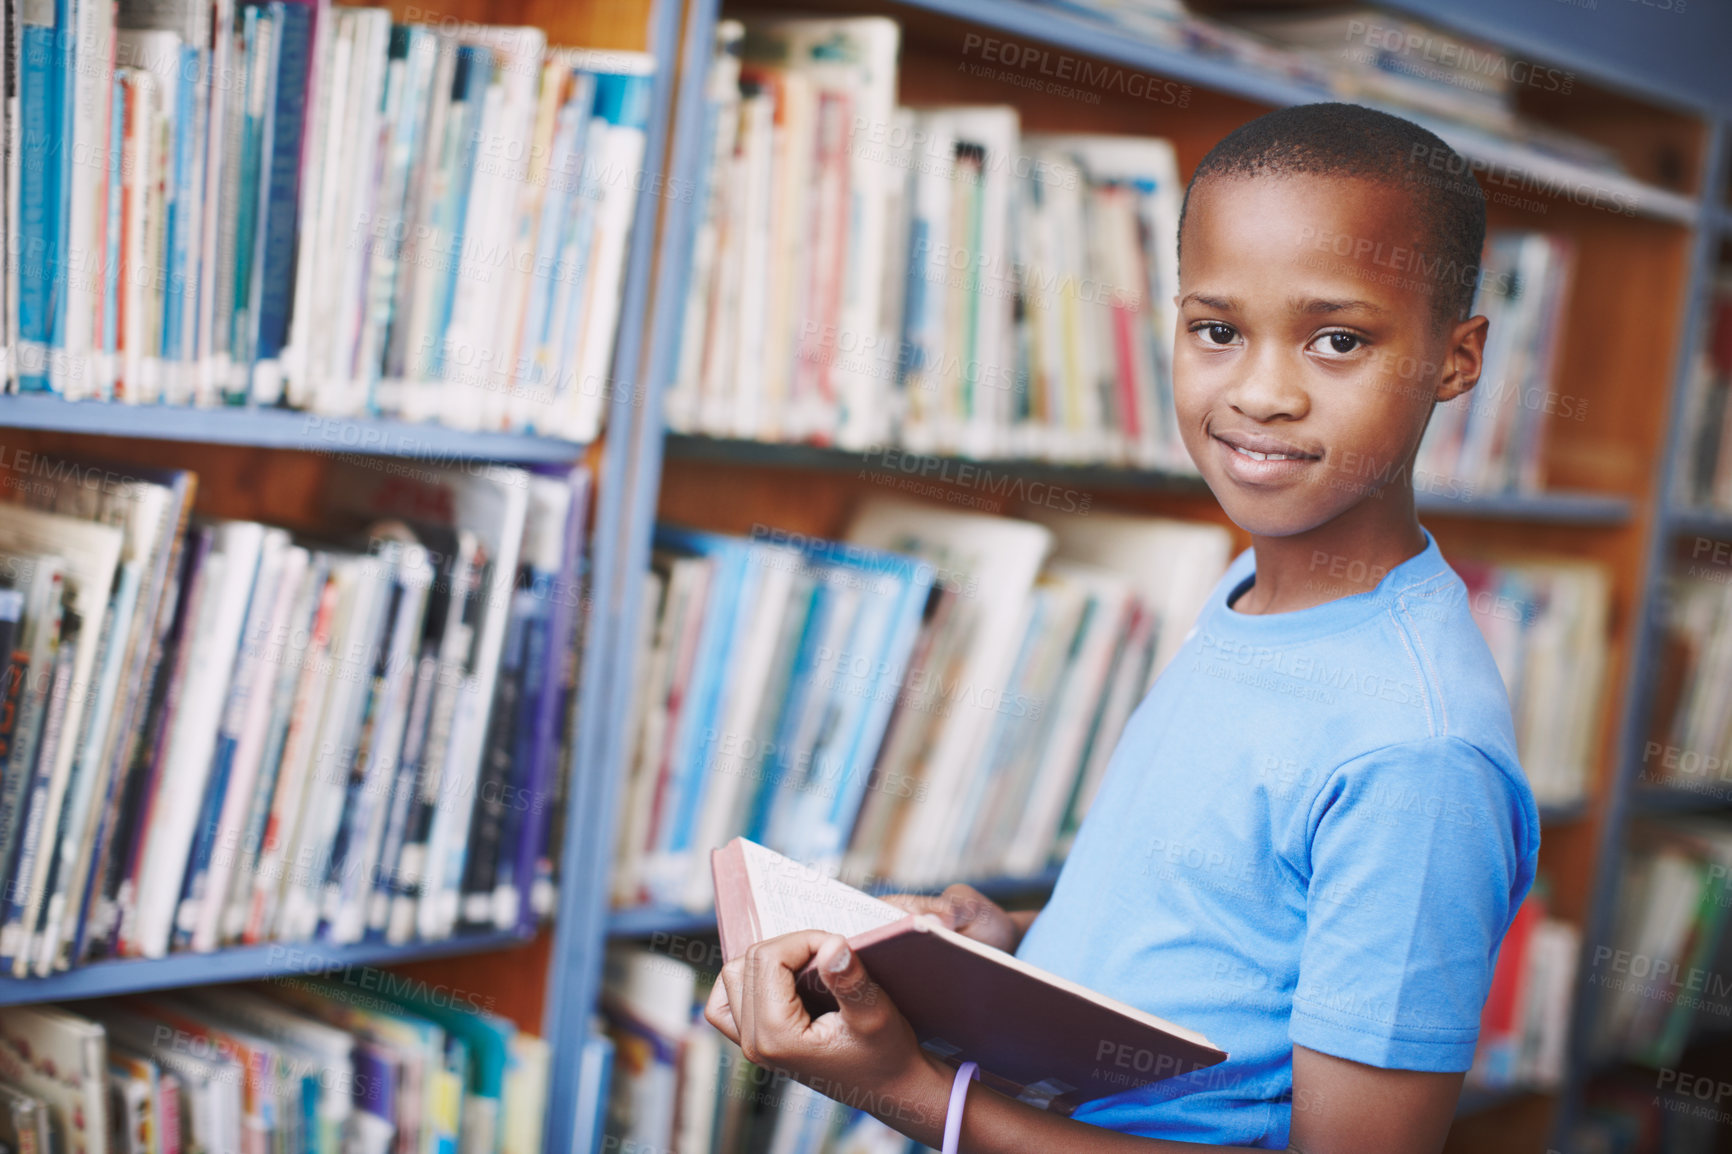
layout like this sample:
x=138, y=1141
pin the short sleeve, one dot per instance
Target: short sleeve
x=1420, y=854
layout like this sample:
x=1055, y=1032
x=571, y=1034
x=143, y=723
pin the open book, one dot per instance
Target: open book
x=1035, y=1035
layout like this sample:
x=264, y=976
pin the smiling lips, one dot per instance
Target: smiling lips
x=1260, y=458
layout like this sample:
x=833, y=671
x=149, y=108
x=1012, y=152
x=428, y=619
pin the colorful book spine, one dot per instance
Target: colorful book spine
x=40, y=191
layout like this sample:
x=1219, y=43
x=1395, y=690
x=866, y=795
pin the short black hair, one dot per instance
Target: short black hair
x=1350, y=140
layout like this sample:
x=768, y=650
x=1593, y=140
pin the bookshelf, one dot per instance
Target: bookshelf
x=1639, y=273
x=1608, y=504
x=268, y=464
x=1627, y=795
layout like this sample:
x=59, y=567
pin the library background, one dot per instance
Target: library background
x=459, y=464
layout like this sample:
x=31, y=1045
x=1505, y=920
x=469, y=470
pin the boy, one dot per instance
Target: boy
x=1313, y=832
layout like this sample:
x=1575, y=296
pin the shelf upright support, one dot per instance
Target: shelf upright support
x=1638, y=695
x=604, y=690
x=589, y=853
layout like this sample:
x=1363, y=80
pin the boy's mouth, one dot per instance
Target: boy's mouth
x=1259, y=458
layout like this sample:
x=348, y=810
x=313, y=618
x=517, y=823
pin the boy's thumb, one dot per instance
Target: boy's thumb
x=858, y=997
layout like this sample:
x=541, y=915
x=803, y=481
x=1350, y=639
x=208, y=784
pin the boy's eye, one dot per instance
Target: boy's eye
x=1220, y=334
x=1338, y=343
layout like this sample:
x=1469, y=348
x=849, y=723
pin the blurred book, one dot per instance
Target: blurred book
x=935, y=697
x=359, y=217
x=285, y=737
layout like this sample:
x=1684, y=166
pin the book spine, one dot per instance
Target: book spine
x=24, y=1126
x=36, y=683
x=283, y=184
x=409, y=885
x=271, y=877
x=153, y=753
x=256, y=34
x=229, y=238
x=39, y=196
x=14, y=934
x=136, y=731
x=13, y=664
x=182, y=209
x=406, y=789
x=71, y=840
x=304, y=623
x=543, y=768
x=523, y=806
x=493, y=785
x=114, y=231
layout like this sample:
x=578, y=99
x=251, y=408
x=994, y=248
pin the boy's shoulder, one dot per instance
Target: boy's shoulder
x=1402, y=663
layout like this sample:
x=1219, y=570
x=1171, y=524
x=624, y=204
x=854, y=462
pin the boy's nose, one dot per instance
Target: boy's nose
x=1268, y=391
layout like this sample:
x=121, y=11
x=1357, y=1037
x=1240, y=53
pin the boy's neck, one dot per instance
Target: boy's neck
x=1339, y=558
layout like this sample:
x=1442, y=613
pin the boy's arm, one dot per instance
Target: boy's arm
x=867, y=1056
x=1339, y=1107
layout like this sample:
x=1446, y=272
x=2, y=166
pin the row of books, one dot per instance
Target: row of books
x=1707, y=474
x=1492, y=440
x=677, y=1084
x=292, y=203
x=863, y=273
x=1547, y=623
x=1662, y=974
x=937, y=695
x=1690, y=737
x=220, y=732
x=365, y=1062
x=933, y=697
x=1524, y=1025
x=1459, y=87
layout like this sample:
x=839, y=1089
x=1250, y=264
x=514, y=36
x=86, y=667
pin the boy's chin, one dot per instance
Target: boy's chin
x=1270, y=515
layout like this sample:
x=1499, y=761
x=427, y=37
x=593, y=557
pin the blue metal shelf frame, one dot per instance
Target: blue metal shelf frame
x=1707, y=522
x=574, y=977
x=249, y=963
x=1558, y=508
x=1638, y=688
x=281, y=429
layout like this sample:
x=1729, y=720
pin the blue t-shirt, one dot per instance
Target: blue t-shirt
x=1313, y=831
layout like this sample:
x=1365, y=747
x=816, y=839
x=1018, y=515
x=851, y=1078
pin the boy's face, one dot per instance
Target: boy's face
x=1307, y=358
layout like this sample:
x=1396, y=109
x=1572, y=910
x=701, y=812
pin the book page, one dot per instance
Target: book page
x=790, y=896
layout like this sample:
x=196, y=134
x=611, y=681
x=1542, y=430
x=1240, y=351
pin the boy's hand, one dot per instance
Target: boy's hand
x=866, y=1045
x=970, y=913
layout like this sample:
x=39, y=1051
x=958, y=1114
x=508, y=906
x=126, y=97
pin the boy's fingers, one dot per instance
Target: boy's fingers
x=733, y=982
x=863, y=1006
x=720, y=1014
x=967, y=903
x=940, y=906
x=773, y=1009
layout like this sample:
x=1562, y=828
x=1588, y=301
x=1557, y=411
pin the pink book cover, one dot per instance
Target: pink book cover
x=1036, y=1035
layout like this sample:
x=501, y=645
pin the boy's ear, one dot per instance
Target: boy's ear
x=1463, y=358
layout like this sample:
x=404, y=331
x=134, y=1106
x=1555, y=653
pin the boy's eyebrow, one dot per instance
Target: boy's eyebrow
x=1320, y=305
x=1225, y=304
x=1298, y=304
